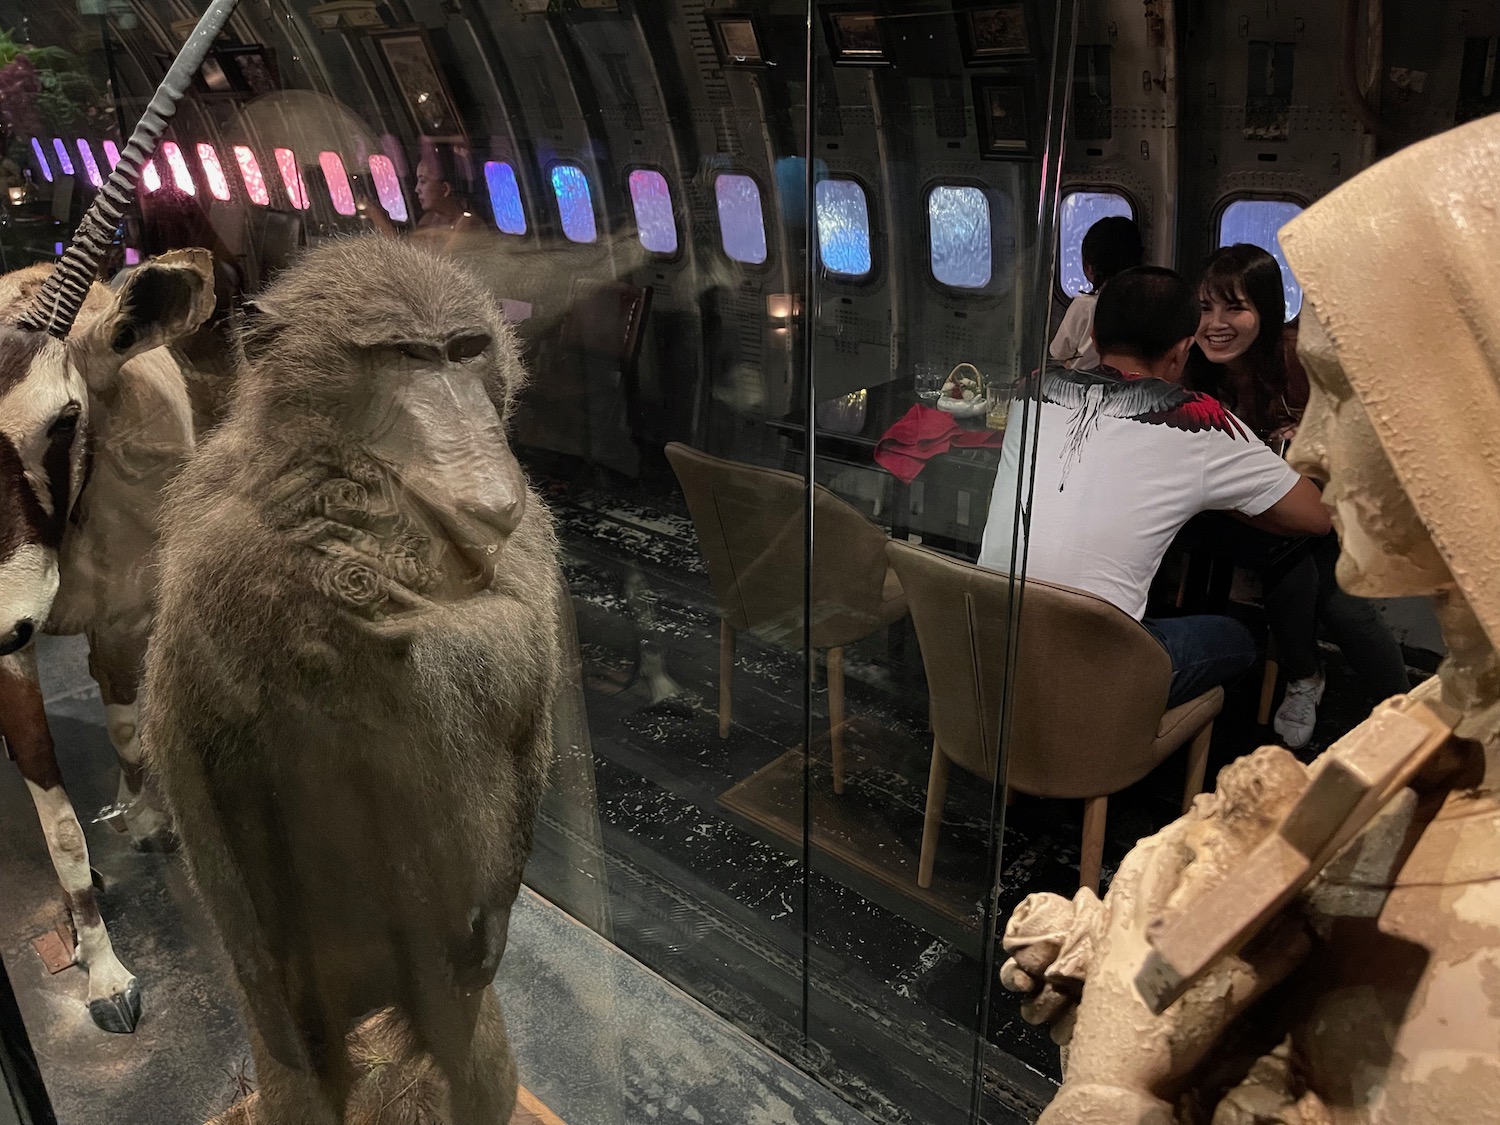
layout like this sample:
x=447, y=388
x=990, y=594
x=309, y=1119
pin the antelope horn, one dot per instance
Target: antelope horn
x=57, y=303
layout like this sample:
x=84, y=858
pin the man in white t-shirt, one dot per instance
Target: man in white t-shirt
x=1124, y=456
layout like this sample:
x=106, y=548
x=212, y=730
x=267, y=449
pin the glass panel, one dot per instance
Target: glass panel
x=1257, y=221
x=575, y=203
x=742, y=227
x=64, y=161
x=255, y=183
x=41, y=159
x=338, y=182
x=843, y=227
x=505, y=197
x=958, y=236
x=291, y=178
x=90, y=165
x=654, y=219
x=1081, y=210
x=213, y=171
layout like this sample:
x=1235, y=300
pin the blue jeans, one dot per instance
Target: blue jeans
x=1206, y=650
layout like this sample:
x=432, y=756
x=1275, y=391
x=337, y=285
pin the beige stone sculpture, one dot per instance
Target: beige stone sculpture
x=1375, y=998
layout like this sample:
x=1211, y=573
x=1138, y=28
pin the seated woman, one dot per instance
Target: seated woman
x=1240, y=359
x=1110, y=246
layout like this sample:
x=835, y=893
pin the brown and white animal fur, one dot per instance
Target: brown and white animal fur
x=79, y=502
x=349, y=689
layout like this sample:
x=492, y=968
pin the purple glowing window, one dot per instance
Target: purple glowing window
x=505, y=197
x=1081, y=210
x=213, y=171
x=64, y=161
x=843, y=227
x=90, y=165
x=41, y=159
x=338, y=182
x=112, y=154
x=388, y=187
x=575, y=203
x=958, y=236
x=653, y=211
x=742, y=227
x=291, y=178
x=1257, y=221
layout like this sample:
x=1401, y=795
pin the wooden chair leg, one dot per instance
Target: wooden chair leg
x=937, y=791
x=726, y=674
x=1197, y=765
x=836, y=714
x=1267, y=691
x=1091, y=858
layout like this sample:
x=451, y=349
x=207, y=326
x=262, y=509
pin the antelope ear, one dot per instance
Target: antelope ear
x=159, y=302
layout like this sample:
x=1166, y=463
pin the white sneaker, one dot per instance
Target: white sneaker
x=1298, y=713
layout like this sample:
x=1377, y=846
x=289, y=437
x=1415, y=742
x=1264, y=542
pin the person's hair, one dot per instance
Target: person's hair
x=450, y=168
x=1109, y=246
x=1144, y=312
x=1247, y=272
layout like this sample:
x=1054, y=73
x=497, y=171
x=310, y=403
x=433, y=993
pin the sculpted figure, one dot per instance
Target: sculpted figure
x=1375, y=998
x=94, y=419
x=349, y=690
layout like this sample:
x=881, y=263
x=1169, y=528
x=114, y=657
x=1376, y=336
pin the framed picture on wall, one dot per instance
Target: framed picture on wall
x=996, y=32
x=736, y=41
x=854, y=38
x=414, y=69
x=1005, y=114
x=235, y=71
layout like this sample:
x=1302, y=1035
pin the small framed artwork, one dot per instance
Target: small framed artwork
x=1005, y=114
x=736, y=40
x=854, y=38
x=413, y=66
x=995, y=32
x=234, y=71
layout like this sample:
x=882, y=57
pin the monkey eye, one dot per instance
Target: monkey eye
x=419, y=349
x=465, y=347
x=66, y=422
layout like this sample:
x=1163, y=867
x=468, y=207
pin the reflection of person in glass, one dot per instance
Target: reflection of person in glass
x=443, y=207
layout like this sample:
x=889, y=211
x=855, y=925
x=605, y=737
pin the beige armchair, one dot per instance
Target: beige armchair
x=1089, y=705
x=751, y=529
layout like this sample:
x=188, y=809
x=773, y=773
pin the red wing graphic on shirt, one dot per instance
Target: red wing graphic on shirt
x=1106, y=393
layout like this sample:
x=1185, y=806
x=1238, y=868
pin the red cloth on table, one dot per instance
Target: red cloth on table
x=924, y=432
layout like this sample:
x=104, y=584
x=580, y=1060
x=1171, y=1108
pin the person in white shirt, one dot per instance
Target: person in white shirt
x=1109, y=246
x=1123, y=456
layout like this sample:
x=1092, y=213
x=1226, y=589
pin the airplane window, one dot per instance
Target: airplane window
x=41, y=159
x=653, y=211
x=338, y=182
x=213, y=171
x=64, y=161
x=575, y=203
x=150, y=177
x=112, y=154
x=1081, y=210
x=742, y=227
x=1256, y=221
x=388, y=187
x=958, y=234
x=505, y=197
x=90, y=165
x=291, y=178
x=843, y=227
x=255, y=183
x=180, y=174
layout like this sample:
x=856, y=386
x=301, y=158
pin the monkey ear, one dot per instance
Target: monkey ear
x=158, y=302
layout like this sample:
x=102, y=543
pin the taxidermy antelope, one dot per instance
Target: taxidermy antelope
x=93, y=421
x=349, y=689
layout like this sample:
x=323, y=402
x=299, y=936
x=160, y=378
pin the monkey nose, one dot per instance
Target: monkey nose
x=18, y=638
x=500, y=512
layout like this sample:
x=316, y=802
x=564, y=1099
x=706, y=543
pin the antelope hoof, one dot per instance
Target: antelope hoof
x=119, y=1013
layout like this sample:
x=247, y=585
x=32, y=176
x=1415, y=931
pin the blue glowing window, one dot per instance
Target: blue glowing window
x=1081, y=210
x=575, y=203
x=1256, y=221
x=41, y=159
x=958, y=236
x=843, y=227
x=505, y=197
x=64, y=161
x=653, y=211
x=742, y=227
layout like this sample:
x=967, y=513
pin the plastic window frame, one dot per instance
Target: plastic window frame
x=992, y=287
x=1221, y=207
x=761, y=191
x=873, y=233
x=659, y=255
x=1097, y=188
x=528, y=215
x=552, y=166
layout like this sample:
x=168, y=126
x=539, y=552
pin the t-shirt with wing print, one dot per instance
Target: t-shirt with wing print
x=1122, y=462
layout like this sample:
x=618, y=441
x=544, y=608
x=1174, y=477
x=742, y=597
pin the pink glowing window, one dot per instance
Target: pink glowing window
x=112, y=154
x=178, y=163
x=90, y=165
x=150, y=177
x=132, y=256
x=338, y=182
x=291, y=178
x=255, y=183
x=218, y=183
x=388, y=187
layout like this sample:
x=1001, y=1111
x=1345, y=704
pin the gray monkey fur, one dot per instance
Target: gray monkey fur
x=354, y=780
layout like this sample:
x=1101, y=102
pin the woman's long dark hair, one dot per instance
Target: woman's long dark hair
x=1247, y=269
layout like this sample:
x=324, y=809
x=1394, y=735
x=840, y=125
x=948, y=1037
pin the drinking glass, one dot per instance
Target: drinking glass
x=929, y=379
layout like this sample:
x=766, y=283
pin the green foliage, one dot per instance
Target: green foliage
x=67, y=90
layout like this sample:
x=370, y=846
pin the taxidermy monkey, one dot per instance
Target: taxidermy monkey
x=349, y=689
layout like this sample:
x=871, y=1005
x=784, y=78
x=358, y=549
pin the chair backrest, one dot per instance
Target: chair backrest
x=750, y=528
x=1090, y=682
x=607, y=319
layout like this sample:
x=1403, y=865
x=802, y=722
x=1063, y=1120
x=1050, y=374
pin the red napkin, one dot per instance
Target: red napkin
x=921, y=433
